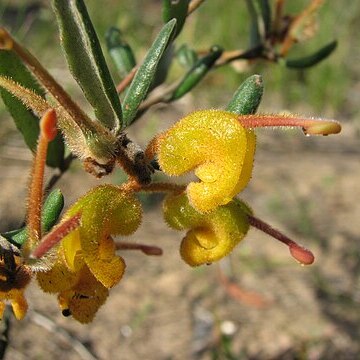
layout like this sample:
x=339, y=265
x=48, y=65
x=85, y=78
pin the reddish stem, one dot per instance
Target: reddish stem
x=146, y=249
x=126, y=80
x=55, y=236
x=309, y=126
x=301, y=254
x=47, y=133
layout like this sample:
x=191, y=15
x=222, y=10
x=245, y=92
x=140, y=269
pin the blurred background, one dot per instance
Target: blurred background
x=307, y=187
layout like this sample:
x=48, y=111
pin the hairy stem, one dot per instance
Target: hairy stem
x=46, y=79
x=301, y=254
x=309, y=126
x=47, y=133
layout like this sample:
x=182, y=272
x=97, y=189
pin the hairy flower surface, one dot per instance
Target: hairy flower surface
x=87, y=265
x=210, y=236
x=217, y=147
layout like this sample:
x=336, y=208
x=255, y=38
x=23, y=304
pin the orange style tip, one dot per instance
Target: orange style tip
x=6, y=42
x=301, y=254
x=48, y=125
x=323, y=127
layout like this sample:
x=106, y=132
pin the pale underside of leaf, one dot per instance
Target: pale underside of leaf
x=86, y=61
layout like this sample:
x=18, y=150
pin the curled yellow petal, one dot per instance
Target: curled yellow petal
x=18, y=303
x=217, y=147
x=59, y=277
x=83, y=299
x=80, y=294
x=210, y=236
x=106, y=210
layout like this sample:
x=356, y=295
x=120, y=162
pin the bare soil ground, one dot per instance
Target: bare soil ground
x=163, y=309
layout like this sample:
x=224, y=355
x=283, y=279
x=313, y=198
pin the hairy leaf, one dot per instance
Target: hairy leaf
x=86, y=61
x=247, y=97
x=175, y=10
x=25, y=120
x=145, y=74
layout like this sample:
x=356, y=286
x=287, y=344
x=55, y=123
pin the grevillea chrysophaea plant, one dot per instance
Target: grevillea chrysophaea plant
x=75, y=255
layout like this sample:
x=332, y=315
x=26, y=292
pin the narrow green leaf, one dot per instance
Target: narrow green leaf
x=312, y=59
x=145, y=74
x=86, y=61
x=197, y=73
x=175, y=9
x=265, y=11
x=51, y=211
x=255, y=36
x=247, y=97
x=120, y=51
x=25, y=120
x=52, y=208
x=56, y=152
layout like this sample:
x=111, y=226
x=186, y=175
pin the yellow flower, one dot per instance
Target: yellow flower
x=87, y=265
x=80, y=294
x=217, y=147
x=211, y=236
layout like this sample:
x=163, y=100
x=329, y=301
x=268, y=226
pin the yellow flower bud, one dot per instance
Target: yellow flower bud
x=217, y=147
x=211, y=236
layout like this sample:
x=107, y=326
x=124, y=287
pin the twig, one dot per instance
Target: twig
x=126, y=80
x=194, y=4
x=161, y=96
x=250, y=54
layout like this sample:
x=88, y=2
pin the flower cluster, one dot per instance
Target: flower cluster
x=220, y=147
x=76, y=257
x=220, y=150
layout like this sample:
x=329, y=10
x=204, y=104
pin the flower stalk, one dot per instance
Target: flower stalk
x=298, y=252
